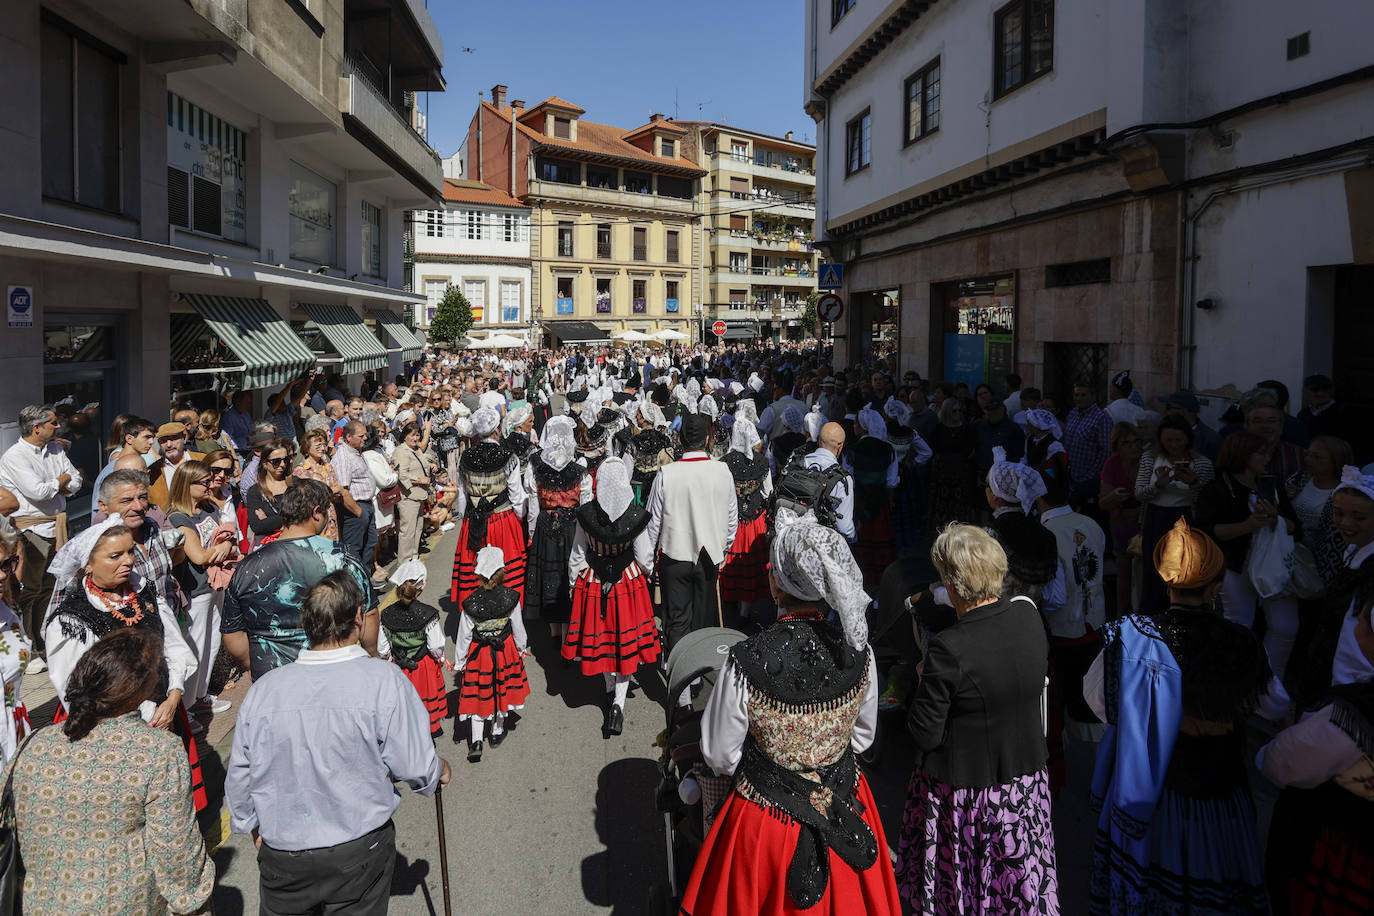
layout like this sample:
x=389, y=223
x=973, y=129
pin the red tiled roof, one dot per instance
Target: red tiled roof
x=554, y=101
x=663, y=125
x=598, y=140
x=461, y=190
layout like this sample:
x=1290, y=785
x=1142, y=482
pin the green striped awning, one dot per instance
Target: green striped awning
x=401, y=336
x=347, y=333
x=271, y=352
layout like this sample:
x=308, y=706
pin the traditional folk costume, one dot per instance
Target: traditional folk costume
x=650, y=450
x=1032, y=551
x=1176, y=834
x=873, y=463
x=613, y=630
x=15, y=651
x=561, y=484
x=744, y=574
x=800, y=832
x=1044, y=450
x=489, y=651
x=413, y=638
x=88, y=613
x=793, y=437
x=491, y=498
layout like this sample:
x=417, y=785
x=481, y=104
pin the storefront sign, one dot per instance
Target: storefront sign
x=20, y=302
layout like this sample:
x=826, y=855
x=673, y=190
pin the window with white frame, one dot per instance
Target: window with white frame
x=510, y=301
x=372, y=240
x=510, y=227
x=476, y=293
x=474, y=224
x=434, y=224
x=434, y=294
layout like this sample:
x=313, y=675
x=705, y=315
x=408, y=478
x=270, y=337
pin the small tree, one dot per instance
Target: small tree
x=452, y=318
x=808, y=317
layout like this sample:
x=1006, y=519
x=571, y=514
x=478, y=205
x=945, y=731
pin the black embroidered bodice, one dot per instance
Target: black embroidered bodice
x=749, y=473
x=76, y=613
x=490, y=610
x=405, y=626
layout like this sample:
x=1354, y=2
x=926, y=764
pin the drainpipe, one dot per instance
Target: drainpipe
x=512, y=151
x=1188, y=280
x=480, y=118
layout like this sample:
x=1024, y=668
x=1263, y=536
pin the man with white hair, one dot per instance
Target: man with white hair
x=37, y=471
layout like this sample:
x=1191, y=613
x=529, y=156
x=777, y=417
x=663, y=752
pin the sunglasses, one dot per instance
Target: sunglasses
x=217, y=471
x=275, y=460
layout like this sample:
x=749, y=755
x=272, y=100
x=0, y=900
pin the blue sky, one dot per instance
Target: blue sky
x=733, y=61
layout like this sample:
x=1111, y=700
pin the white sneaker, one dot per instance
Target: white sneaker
x=36, y=666
x=212, y=703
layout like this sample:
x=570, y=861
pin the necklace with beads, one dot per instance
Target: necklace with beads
x=115, y=603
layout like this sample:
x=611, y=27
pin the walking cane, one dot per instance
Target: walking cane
x=443, y=846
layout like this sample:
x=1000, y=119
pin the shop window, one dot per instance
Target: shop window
x=312, y=202
x=207, y=168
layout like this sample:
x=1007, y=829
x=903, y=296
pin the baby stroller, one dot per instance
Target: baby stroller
x=698, y=655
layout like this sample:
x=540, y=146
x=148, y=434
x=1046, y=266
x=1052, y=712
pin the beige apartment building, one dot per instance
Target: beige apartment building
x=758, y=218
x=614, y=241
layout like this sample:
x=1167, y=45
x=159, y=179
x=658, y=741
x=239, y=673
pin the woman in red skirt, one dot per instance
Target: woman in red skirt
x=792, y=707
x=744, y=574
x=491, y=500
x=612, y=629
x=490, y=652
x=412, y=637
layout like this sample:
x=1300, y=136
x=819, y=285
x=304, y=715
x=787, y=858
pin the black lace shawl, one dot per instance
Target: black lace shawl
x=491, y=603
x=1352, y=711
x=408, y=618
x=802, y=663
x=76, y=613
x=564, y=478
x=1225, y=669
x=485, y=457
x=518, y=445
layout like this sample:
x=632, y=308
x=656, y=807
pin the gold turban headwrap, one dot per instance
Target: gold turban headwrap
x=1186, y=558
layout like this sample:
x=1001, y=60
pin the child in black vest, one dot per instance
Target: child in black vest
x=489, y=651
x=412, y=637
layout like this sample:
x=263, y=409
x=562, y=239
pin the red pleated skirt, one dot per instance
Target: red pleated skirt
x=742, y=868
x=181, y=726
x=491, y=685
x=504, y=530
x=744, y=572
x=621, y=641
x=428, y=678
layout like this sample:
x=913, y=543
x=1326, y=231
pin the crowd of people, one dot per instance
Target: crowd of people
x=1006, y=574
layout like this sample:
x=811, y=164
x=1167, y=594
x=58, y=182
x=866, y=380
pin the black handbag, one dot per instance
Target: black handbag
x=11, y=864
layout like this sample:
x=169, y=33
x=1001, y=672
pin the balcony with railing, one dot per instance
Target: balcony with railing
x=362, y=99
x=788, y=169
x=610, y=196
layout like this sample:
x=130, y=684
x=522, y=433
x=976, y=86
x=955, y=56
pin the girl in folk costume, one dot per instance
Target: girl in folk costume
x=112, y=596
x=1177, y=834
x=650, y=450
x=720, y=434
x=1044, y=451
x=1033, y=567
x=491, y=499
x=873, y=463
x=15, y=647
x=489, y=651
x=744, y=574
x=613, y=629
x=412, y=637
x=793, y=705
x=560, y=484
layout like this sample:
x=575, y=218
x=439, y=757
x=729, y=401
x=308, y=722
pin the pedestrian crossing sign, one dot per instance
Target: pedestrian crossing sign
x=831, y=276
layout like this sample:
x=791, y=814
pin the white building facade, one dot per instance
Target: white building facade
x=1068, y=188
x=191, y=201
x=479, y=243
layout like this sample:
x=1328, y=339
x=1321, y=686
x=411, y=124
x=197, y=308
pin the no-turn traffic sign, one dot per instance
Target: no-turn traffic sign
x=718, y=328
x=829, y=308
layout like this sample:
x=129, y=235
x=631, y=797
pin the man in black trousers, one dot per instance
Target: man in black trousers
x=692, y=519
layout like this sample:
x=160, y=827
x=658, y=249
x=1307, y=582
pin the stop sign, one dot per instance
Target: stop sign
x=718, y=328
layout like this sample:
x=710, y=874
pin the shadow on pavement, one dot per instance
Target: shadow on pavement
x=227, y=901
x=628, y=825
x=410, y=876
x=562, y=679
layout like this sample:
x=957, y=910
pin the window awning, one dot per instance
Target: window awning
x=271, y=352
x=740, y=333
x=400, y=335
x=576, y=332
x=347, y=334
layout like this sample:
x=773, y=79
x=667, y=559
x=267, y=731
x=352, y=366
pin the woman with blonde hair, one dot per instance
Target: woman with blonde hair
x=315, y=466
x=976, y=834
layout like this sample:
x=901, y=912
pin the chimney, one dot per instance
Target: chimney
x=655, y=117
x=517, y=104
x=788, y=135
x=498, y=95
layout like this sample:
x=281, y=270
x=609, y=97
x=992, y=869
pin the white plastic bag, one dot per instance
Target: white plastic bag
x=1269, y=565
x=1307, y=582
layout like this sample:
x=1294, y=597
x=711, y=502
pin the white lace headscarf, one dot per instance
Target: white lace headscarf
x=1039, y=419
x=755, y=383
x=873, y=424
x=591, y=410
x=794, y=419
x=708, y=406
x=1352, y=478
x=898, y=411
x=485, y=421
x=489, y=560
x=814, y=421
x=746, y=409
x=68, y=563
x=558, y=445
x=1014, y=482
x=517, y=417
x=683, y=395
x=412, y=570
x=743, y=438
x=652, y=414
x=736, y=389
x=813, y=563
x=613, y=493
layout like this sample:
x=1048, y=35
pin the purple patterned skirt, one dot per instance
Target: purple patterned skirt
x=978, y=850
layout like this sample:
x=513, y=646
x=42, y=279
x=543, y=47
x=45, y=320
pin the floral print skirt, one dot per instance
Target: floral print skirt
x=978, y=850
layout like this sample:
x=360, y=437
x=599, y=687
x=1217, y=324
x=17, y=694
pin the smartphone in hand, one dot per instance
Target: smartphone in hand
x=1267, y=489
